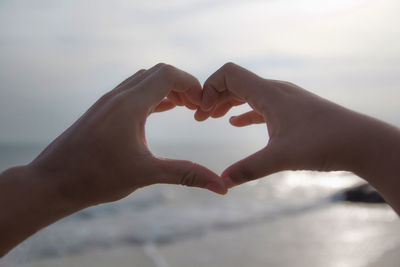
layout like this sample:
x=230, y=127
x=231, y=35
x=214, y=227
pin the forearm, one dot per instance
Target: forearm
x=28, y=202
x=381, y=159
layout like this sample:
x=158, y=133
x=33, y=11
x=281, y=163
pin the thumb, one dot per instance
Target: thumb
x=189, y=174
x=257, y=165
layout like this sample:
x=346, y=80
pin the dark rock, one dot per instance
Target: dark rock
x=363, y=193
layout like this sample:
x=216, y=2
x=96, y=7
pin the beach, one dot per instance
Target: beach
x=59, y=57
x=287, y=219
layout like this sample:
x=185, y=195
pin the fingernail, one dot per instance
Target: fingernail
x=205, y=107
x=216, y=188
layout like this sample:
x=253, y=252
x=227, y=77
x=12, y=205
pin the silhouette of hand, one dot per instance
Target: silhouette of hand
x=306, y=132
x=103, y=156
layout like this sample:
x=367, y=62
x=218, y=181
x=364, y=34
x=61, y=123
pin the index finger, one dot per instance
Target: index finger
x=167, y=78
x=239, y=82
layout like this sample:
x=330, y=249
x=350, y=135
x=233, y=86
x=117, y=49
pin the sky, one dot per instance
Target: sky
x=58, y=57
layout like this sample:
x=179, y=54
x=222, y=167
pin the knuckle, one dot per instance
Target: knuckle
x=229, y=66
x=167, y=69
x=290, y=84
x=159, y=65
x=285, y=86
x=169, y=74
x=209, y=91
x=118, y=102
x=206, y=86
x=124, y=103
x=104, y=98
x=189, y=177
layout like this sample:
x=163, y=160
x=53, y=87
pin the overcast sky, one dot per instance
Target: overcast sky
x=58, y=57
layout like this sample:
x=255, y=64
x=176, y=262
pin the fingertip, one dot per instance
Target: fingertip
x=194, y=95
x=209, y=180
x=188, y=102
x=229, y=183
x=164, y=105
x=209, y=98
x=217, y=188
x=197, y=117
x=234, y=121
x=200, y=115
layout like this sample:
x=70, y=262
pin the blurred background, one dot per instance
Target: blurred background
x=58, y=57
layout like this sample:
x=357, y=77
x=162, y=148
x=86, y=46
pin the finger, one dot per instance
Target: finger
x=223, y=108
x=210, y=96
x=189, y=174
x=164, y=105
x=239, y=82
x=139, y=72
x=137, y=78
x=246, y=119
x=257, y=165
x=128, y=83
x=115, y=91
x=159, y=84
x=194, y=95
x=190, y=98
x=189, y=104
x=201, y=115
x=176, y=98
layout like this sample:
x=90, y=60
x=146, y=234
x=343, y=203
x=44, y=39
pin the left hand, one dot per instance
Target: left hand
x=103, y=156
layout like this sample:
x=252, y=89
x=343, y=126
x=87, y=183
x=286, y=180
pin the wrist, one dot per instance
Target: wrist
x=357, y=142
x=54, y=187
x=382, y=151
x=382, y=169
x=29, y=201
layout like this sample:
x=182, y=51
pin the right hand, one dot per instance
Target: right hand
x=306, y=132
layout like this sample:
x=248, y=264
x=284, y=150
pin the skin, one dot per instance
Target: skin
x=306, y=132
x=102, y=157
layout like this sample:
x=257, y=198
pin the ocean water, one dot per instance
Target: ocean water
x=344, y=50
x=287, y=219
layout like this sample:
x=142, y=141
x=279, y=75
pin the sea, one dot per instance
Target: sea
x=286, y=219
x=58, y=57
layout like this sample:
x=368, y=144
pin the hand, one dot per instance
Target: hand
x=104, y=157
x=306, y=132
